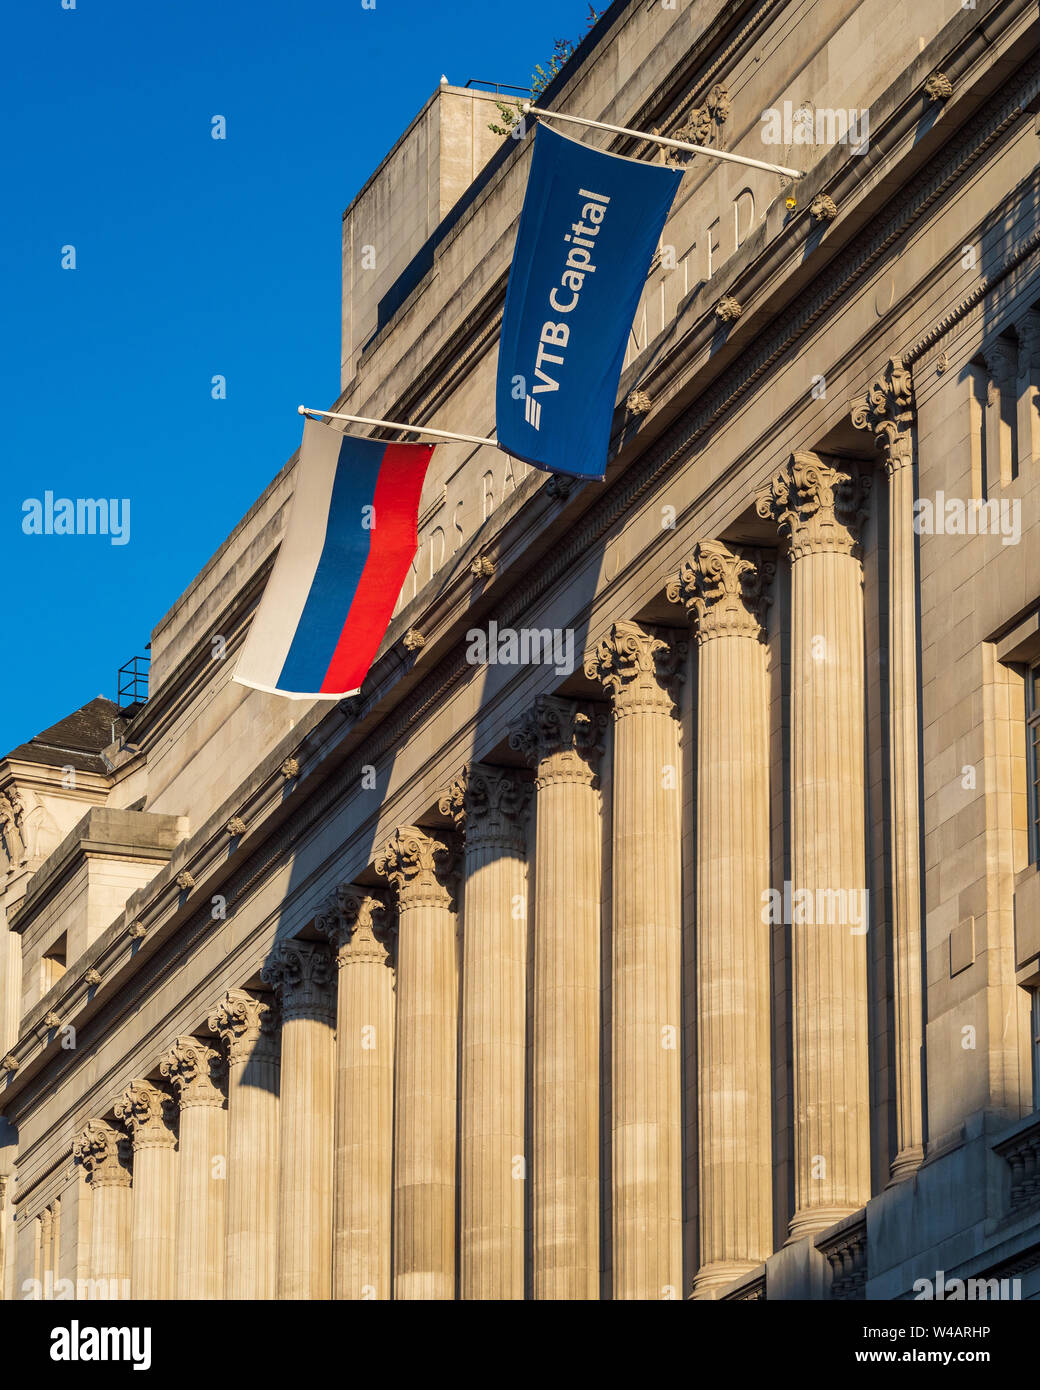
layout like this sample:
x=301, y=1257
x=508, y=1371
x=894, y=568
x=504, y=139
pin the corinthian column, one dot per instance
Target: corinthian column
x=820, y=508
x=561, y=741
x=417, y=864
x=490, y=805
x=195, y=1071
x=248, y=1028
x=302, y=973
x=725, y=591
x=640, y=668
x=149, y=1115
x=105, y=1156
x=353, y=922
x=887, y=411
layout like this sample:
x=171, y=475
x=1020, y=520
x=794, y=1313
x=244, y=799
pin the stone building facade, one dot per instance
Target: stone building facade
x=663, y=918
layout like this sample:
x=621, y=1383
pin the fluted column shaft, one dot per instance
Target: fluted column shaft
x=820, y=508
x=105, y=1155
x=149, y=1115
x=418, y=865
x=195, y=1071
x=248, y=1027
x=303, y=975
x=354, y=922
x=725, y=589
x=561, y=740
x=640, y=667
x=490, y=806
x=887, y=410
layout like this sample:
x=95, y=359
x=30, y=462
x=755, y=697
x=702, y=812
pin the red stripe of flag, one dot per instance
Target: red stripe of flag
x=393, y=542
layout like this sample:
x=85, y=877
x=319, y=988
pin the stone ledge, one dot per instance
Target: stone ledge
x=845, y=1246
x=105, y=833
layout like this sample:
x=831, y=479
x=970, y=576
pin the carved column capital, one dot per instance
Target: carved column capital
x=561, y=739
x=1001, y=361
x=104, y=1154
x=302, y=974
x=1028, y=329
x=149, y=1115
x=247, y=1025
x=640, y=667
x=887, y=410
x=725, y=590
x=820, y=508
x=418, y=863
x=489, y=804
x=355, y=922
x=194, y=1069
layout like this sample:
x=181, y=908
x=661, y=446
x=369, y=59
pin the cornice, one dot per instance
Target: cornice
x=987, y=284
x=667, y=107
x=46, y=1175
x=768, y=334
x=839, y=173
x=687, y=85
x=735, y=383
x=276, y=823
x=80, y=844
x=774, y=255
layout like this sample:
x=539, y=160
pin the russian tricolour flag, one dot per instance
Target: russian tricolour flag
x=350, y=539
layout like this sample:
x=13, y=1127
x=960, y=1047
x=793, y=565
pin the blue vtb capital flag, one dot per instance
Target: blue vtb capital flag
x=588, y=231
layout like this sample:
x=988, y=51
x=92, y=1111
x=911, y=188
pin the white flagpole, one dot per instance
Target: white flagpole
x=395, y=425
x=664, y=140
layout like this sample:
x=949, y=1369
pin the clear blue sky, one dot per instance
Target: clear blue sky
x=194, y=257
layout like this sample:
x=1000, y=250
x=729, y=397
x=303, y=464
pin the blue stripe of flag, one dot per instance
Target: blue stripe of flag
x=339, y=569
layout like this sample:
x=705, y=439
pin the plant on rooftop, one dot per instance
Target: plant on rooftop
x=563, y=50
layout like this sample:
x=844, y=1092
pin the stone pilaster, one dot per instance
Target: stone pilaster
x=561, y=739
x=247, y=1025
x=302, y=974
x=104, y=1154
x=1028, y=329
x=418, y=865
x=354, y=920
x=1001, y=409
x=150, y=1115
x=195, y=1071
x=820, y=508
x=888, y=412
x=640, y=668
x=725, y=590
x=489, y=805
